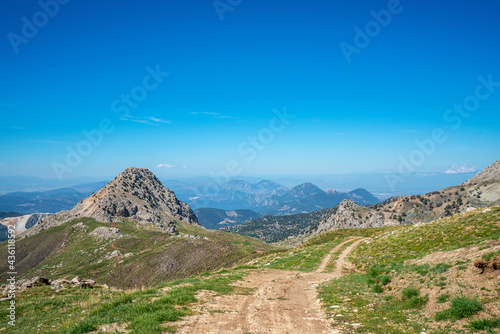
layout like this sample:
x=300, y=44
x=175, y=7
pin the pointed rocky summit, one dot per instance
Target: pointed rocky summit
x=135, y=194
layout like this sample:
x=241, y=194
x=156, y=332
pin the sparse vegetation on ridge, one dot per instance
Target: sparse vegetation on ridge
x=154, y=256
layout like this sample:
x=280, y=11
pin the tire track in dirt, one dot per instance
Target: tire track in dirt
x=283, y=302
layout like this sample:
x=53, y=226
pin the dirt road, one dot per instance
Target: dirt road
x=283, y=302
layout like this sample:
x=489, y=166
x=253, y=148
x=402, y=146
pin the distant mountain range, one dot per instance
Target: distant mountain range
x=267, y=197
x=50, y=201
x=264, y=197
x=483, y=189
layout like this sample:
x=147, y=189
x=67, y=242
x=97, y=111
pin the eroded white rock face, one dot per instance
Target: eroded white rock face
x=135, y=194
x=23, y=223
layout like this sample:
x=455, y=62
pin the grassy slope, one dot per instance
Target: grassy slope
x=67, y=251
x=391, y=297
x=307, y=257
x=414, y=296
x=75, y=311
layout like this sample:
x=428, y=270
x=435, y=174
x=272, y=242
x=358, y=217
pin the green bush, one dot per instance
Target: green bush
x=385, y=279
x=461, y=307
x=443, y=298
x=485, y=324
x=409, y=293
x=85, y=326
x=377, y=288
x=417, y=302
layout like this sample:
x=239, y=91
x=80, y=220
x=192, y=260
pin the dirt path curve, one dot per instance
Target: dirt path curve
x=114, y=246
x=283, y=302
x=120, y=257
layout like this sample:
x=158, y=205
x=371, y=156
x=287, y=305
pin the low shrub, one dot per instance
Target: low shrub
x=461, y=307
x=409, y=293
x=485, y=324
x=443, y=298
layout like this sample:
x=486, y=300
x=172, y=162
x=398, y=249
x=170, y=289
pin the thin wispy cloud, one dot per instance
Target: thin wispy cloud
x=213, y=114
x=158, y=120
x=165, y=166
x=2, y=164
x=150, y=120
x=339, y=133
x=142, y=121
x=461, y=169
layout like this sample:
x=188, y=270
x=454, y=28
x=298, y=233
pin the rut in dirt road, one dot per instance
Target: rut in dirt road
x=283, y=302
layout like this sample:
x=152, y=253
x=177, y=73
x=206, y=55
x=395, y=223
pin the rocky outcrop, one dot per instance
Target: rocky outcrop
x=106, y=232
x=345, y=215
x=405, y=210
x=57, y=284
x=136, y=195
x=490, y=173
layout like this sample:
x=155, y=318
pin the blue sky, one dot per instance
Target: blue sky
x=226, y=79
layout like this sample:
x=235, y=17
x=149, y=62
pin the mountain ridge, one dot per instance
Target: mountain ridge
x=135, y=194
x=490, y=173
x=481, y=190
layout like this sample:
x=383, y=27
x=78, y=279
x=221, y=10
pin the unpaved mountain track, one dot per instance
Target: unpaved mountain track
x=283, y=302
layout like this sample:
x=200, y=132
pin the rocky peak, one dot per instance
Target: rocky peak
x=135, y=194
x=138, y=194
x=305, y=189
x=331, y=192
x=345, y=215
x=347, y=205
x=490, y=173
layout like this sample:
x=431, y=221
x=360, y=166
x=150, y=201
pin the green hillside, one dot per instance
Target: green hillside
x=403, y=279
x=153, y=256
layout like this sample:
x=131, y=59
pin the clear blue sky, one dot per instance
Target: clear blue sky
x=227, y=76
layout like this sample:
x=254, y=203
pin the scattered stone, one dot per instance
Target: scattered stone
x=24, y=284
x=81, y=226
x=107, y=232
x=60, y=284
